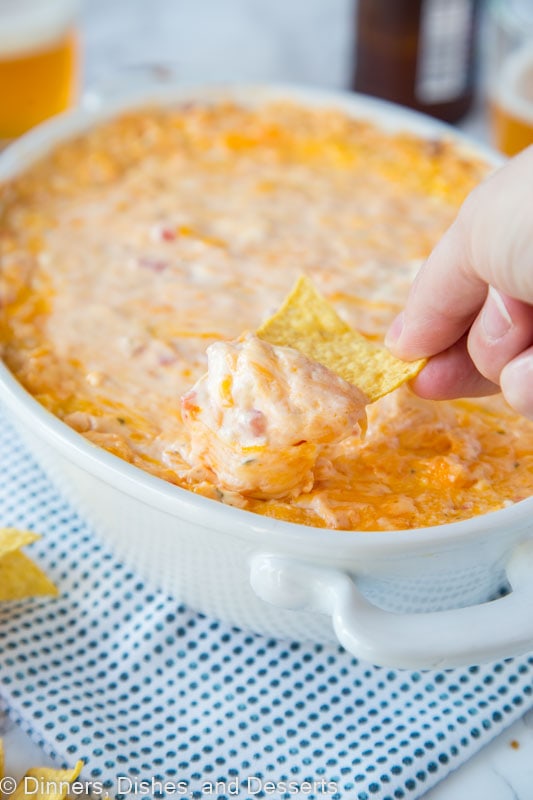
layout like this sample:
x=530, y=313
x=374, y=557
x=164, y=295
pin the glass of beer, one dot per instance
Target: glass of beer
x=510, y=84
x=38, y=62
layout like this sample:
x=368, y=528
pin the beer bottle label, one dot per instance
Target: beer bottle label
x=444, y=58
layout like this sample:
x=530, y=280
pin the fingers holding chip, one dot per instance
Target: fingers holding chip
x=308, y=323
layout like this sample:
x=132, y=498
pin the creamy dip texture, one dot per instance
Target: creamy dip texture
x=132, y=251
x=262, y=416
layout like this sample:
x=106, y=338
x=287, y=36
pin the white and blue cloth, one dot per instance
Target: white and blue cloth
x=150, y=692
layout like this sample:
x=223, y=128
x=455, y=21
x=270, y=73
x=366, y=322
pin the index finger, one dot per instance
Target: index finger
x=490, y=242
x=443, y=302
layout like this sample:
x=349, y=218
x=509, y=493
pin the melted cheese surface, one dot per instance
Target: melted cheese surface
x=130, y=249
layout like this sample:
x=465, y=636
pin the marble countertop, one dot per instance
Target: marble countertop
x=304, y=41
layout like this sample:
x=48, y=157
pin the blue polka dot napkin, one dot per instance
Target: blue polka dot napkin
x=162, y=701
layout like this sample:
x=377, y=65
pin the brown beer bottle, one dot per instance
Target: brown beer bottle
x=420, y=53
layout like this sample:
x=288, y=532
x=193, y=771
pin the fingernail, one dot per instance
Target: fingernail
x=495, y=318
x=395, y=330
x=517, y=384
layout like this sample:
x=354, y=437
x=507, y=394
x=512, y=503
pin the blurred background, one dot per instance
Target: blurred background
x=469, y=62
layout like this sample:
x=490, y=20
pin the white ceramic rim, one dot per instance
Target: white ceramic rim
x=173, y=499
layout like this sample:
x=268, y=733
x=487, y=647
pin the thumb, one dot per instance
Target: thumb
x=517, y=383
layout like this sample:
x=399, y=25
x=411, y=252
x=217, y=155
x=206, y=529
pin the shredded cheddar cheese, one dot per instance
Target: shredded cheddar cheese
x=129, y=250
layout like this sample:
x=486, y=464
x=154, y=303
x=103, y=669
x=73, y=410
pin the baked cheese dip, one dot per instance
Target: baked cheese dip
x=164, y=237
x=261, y=417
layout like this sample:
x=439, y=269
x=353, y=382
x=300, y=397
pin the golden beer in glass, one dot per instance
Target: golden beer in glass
x=511, y=75
x=38, y=62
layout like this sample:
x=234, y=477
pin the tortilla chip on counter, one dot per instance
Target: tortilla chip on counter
x=19, y=576
x=46, y=783
x=308, y=323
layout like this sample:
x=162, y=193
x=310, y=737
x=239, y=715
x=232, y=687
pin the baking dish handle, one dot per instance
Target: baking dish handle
x=438, y=639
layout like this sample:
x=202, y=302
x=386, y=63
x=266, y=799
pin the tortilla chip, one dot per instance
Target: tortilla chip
x=19, y=576
x=45, y=783
x=13, y=539
x=306, y=322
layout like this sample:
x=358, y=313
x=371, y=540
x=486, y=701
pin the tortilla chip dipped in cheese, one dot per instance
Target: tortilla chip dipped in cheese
x=259, y=419
x=270, y=405
x=19, y=576
x=45, y=783
x=308, y=323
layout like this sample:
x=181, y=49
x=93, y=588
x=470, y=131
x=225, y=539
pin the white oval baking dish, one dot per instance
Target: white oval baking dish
x=415, y=599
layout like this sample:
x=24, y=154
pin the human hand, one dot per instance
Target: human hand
x=471, y=304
